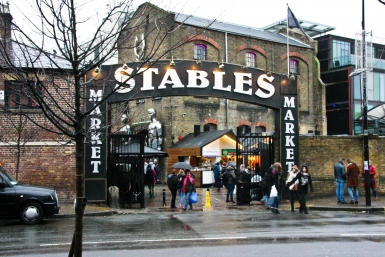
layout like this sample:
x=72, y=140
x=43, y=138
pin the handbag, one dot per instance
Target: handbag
x=194, y=197
x=295, y=187
x=273, y=192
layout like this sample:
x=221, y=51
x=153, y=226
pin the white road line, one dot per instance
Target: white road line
x=354, y=235
x=150, y=240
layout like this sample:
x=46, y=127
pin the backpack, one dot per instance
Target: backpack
x=149, y=174
x=172, y=181
x=225, y=177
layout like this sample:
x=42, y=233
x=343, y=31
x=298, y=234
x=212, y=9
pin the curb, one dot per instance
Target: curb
x=100, y=213
x=355, y=209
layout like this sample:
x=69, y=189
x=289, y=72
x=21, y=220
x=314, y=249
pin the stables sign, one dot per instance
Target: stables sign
x=133, y=81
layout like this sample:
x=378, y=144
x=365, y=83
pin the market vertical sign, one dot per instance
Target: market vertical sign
x=95, y=146
x=289, y=132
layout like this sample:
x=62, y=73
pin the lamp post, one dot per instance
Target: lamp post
x=365, y=112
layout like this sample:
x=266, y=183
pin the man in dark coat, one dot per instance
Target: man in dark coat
x=352, y=173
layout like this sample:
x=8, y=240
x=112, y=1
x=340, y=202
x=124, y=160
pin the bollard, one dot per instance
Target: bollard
x=164, y=197
x=208, y=204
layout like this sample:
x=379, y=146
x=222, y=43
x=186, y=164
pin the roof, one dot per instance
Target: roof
x=310, y=28
x=203, y=138
x=24, y=56
x=376, y=113
x=236, y=29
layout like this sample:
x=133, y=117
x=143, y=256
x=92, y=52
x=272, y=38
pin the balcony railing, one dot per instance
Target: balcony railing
x=351, y=60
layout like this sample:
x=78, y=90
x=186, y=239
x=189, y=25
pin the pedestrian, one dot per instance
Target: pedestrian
x=352, y=173
x=305, y=181
x=273, y=177
x=150, y=179
x=181, y=176
x=172, y=182
x=188, y=188
x=230, y=184
x=340, y=176
x=217, y=176
x=372, y=181
x=294, y=187
x=157, y=170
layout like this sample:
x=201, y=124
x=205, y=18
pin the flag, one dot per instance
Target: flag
x=292, y=21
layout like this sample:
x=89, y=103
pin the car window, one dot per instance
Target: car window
x=9, y=177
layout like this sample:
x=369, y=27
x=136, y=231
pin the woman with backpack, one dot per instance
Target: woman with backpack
x=188, y=188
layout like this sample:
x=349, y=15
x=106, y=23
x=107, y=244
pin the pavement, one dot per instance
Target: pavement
x=217, y=202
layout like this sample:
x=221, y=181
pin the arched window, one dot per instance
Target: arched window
x=250, y=59
x=259, y=129
x=199, y=52
x=294, y=66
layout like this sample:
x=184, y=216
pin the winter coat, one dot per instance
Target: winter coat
x=290, y=177
x=271, y=178
x=339, y=171
x=180, y=180
x=189, y=183
x=304, y=179
x=217, y=171
x=372, y=172
x=232, y=178
x=352, y=172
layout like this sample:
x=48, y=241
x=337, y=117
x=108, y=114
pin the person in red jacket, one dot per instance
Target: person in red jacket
x=372, y=182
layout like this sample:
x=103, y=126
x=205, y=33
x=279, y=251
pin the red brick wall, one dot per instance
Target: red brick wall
x=49, y=166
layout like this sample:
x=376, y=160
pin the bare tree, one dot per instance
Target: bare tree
x=54, y=81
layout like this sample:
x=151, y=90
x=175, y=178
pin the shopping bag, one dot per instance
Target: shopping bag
x=235, y=189
x=273, y=192
x=194, y=197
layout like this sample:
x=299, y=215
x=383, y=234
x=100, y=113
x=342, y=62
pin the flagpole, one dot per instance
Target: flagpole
x=287, y=41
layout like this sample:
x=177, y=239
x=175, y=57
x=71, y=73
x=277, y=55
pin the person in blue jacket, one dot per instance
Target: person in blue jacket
x=217, y=176
x=340, y=176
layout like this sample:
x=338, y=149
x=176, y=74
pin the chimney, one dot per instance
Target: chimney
x=5, y=22
x=197, y=130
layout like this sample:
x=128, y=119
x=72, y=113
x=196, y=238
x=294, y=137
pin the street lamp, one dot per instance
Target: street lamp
x=364, y=108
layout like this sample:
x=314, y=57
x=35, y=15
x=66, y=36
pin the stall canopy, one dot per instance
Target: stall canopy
x=204, y=139
x=134, y=149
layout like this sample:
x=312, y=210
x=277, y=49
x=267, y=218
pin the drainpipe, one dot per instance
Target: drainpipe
x=227, y=100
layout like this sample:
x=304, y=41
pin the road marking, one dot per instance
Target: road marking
x=151, y=240
x=352, y=235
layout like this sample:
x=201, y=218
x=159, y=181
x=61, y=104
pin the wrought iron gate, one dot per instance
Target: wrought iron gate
x=254, y=155
x=126, y=168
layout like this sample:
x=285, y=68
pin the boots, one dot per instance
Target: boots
x=276, y=211
x=292, y=207
x=306, y=212
x=300, y=209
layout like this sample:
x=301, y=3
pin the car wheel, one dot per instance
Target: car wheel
x=31, y=213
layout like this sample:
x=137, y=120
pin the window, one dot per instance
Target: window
x=293, y=66
x=250, y=59
x=18, y=94
x=259, y=129
x=199, y=52
x=341, y=53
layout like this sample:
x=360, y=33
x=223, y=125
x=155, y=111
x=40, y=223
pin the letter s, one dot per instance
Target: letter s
x=261, y=82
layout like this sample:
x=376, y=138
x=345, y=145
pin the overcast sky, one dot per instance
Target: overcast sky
x=344, y=15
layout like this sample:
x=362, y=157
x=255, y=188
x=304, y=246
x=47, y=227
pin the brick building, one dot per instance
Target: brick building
x=207, y=41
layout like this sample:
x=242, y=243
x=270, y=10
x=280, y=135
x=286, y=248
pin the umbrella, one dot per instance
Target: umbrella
x=182, y=165
x=232, y=164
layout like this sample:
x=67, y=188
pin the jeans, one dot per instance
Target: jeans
x=181, y=196
x=230, y=192
x=353, y=190
x=302, y=202
x=269, y=201
x=188, y=194
x=340, y=186
x=276, y=202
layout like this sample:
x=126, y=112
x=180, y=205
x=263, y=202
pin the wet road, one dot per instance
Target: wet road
x=165, y=230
